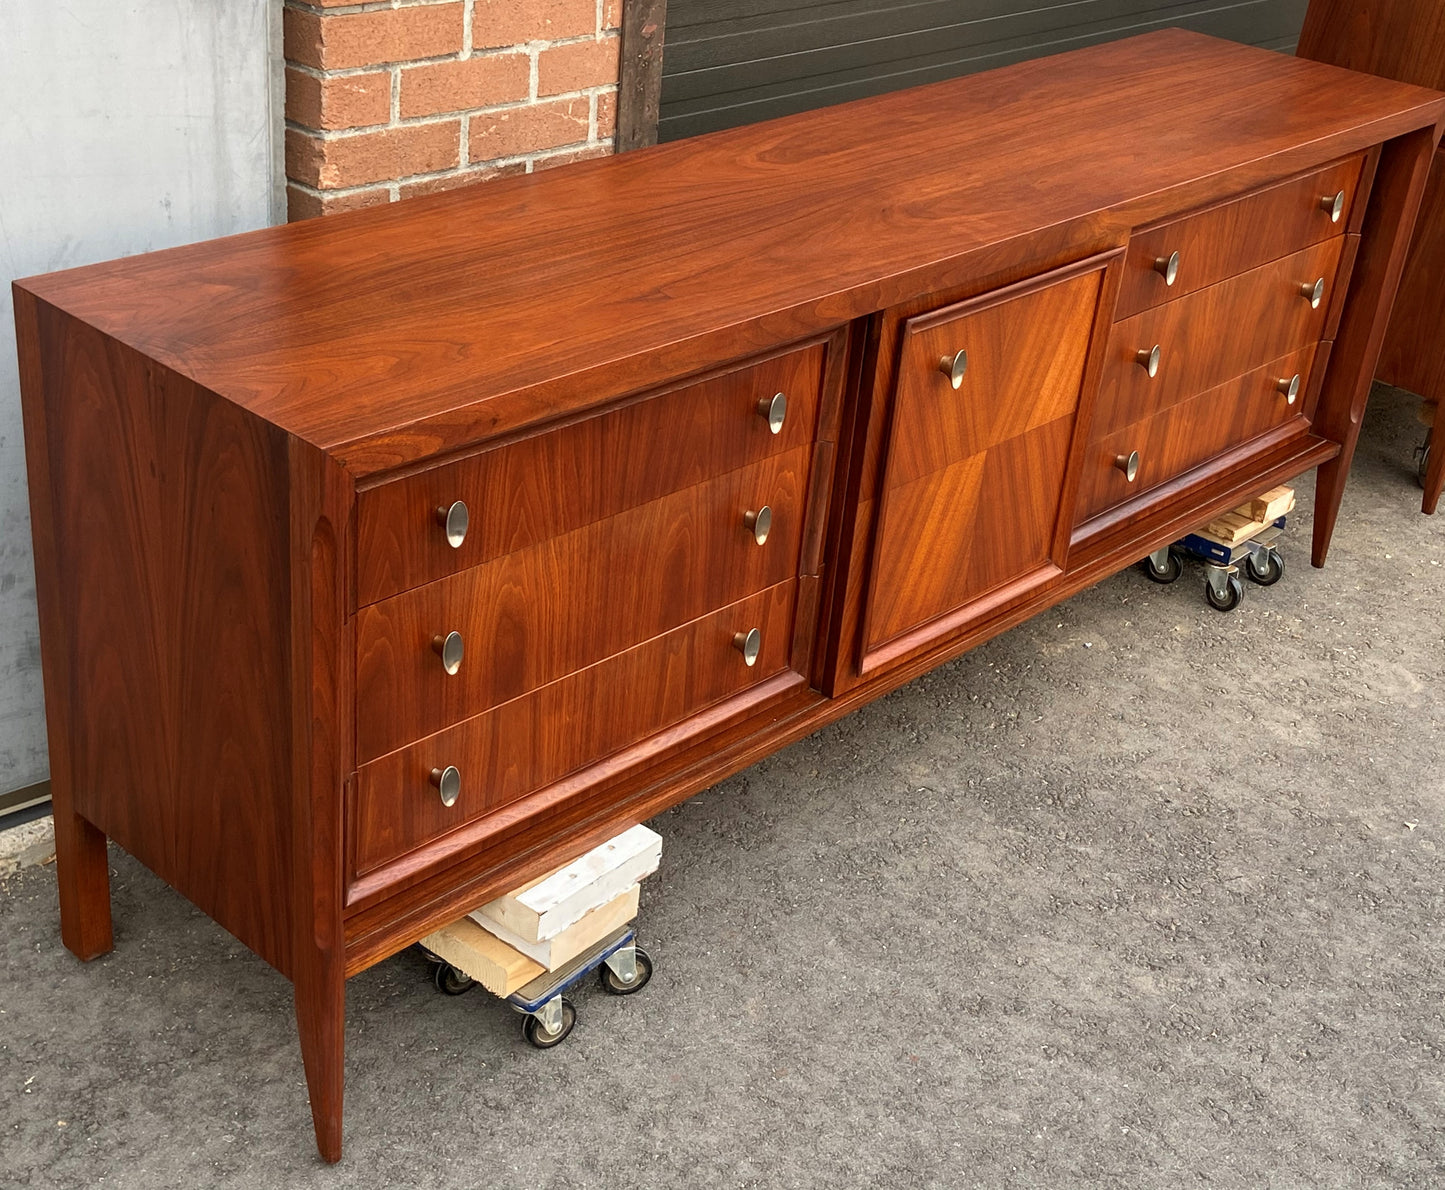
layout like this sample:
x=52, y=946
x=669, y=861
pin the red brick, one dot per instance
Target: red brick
x=612, y=14
x=577, y=66
x=513, y=131
x=458, y=180
x=606, y=114
x=340, y=41
x=586, y=153
x=455, y=86
x=332, y=102
x=307, y=204
x=513, y=22
x=379, y=156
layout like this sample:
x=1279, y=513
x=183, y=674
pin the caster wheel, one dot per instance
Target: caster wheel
x=611, y=983
x=1173, y=568
x=451, y=981
x=1231, y=599
x=537, y=1035
x=1265, y=574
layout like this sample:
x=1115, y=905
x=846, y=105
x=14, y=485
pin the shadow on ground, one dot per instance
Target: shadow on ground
x=1138, y=895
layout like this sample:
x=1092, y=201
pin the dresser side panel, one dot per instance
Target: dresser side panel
x=167, y=635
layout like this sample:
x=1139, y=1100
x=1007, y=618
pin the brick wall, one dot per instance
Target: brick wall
x=400, y=97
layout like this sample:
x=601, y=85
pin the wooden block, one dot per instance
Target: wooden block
x=1274, y=504
x=1232, y=528
x=487, y=959
x=546, y=907
x=589, y=930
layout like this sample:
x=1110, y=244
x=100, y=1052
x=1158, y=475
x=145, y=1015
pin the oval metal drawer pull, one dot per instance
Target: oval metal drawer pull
x=749, y=644
x=954, y=366
x=1128, y=464
x=449, y=649
x=759, y=523
x=774, y=410
x=1313, y=293
x=1333, y=205
x=1168, y=267
x=1289, y=385
x=1148, y=359
x=453, y=519
x=448, y=783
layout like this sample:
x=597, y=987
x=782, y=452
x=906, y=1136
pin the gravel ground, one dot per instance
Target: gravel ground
x=1137, y=895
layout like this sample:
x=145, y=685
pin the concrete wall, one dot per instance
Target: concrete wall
x=124, y=127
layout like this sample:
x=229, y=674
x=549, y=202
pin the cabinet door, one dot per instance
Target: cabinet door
x=978, y=456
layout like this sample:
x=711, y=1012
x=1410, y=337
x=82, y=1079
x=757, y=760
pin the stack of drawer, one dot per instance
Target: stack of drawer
x=530, y=610
x=1223, y=316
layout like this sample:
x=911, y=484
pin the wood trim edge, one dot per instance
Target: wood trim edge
x=639, y=86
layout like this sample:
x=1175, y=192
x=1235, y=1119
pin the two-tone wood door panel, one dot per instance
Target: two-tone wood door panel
x=532, y=616
x=1184, y=435
x=526, y=744
x=1196, y=251
x=1216, y=334
x=983, y=418
x=561, y=479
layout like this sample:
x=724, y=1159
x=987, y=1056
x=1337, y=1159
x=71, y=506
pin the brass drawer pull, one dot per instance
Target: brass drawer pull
x=1333, y=205
x=1289, y=385
x=1313, y=293
x=773, y=410
x=453, y=520
x=749, y=644
x=1128, y=464
x=1167, y=267
x=759, y=523
x=448, y=784
x=449, y=649
x=1148, y=359
x=954, y=367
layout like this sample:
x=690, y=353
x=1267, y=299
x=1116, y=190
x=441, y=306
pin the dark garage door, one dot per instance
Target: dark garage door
x=729, y=62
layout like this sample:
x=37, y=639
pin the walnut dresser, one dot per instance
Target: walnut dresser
x=388, y=560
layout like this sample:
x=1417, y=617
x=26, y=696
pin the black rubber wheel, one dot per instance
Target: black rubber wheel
x=451, y=981
x=610, y=982
x=1173, y=568
x=1234, y=594
x=536, y=1035
x=1269, y=573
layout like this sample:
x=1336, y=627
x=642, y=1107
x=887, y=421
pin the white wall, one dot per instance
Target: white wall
x=125, y=125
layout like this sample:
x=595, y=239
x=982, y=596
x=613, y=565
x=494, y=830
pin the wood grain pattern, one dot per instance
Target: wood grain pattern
x=1184, y=435
x=1237, y=236
x=975, y=476
x=161, y=574
x=1396, y=39
x=705, y=251
x=533, y=616
x=1214, y=334
x=1384, y=241
x=1413, y=355
x=563, y=478
x=563, y=727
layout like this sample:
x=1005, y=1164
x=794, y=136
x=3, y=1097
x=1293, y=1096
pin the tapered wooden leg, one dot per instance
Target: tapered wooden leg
x=84, y=878
x=1329, y=491
x=321, y=1022
x=1435, y=474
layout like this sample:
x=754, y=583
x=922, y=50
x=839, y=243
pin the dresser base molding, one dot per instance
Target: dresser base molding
x=286, y=487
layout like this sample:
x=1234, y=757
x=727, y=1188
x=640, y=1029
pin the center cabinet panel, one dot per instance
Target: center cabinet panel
x=978, y=454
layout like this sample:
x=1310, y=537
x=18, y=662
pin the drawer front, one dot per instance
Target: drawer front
x=542, y=612
x=561, y=479
x=975, y=473
x=534, y=741
x=1187, y=434
x=1214, y=335
x=1236, y=236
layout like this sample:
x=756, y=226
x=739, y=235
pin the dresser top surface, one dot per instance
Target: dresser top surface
x=386, y=335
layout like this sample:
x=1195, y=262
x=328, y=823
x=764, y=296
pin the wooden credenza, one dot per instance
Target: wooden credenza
x=388, y=560
x=1405, y=40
